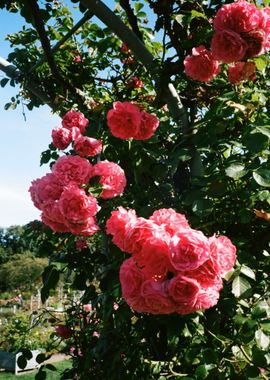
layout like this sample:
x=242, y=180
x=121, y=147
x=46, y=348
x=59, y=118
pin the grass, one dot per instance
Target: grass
x=51, y=375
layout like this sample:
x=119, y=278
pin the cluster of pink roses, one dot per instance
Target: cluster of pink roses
x=64, y=195
x=127, y=120
x=173, y=267
x=73, y=127
x=242, y=31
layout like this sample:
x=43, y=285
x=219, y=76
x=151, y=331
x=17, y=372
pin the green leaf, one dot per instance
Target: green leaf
x=4, y=81
x=248, y=272
x=201, y=372
x=41, y=375
x=239, y=286
x=236, y=171
x=196, y=14
x=22, y=362
x=262, y=339
x=262, y=177
x=202, y=207
x=50, y=367
x=265, y=130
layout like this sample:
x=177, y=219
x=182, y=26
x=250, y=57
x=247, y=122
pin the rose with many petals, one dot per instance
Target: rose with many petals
x=61, y=138
x=265, y=27
x=228, y=46
x=201, y=65
x=63, y=331
x=156, y=298
x=124, y=120
x=149, y=124
x=72, y=170
x=45, y=190
x=112, y=178
x=76, y=206
x=241, y=71
x=118, y=224
x=73, y=119
x=188, y=250
x=223, y=252
x=240, y=17
x=53, y=217
x=87, y=146
x=184, y=292
x=170, y=220
x=131, y=279
x=87, y=228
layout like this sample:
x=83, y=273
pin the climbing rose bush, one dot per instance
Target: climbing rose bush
x=171, y=269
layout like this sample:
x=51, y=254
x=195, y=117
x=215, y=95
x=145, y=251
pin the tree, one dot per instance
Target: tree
x=208, y=160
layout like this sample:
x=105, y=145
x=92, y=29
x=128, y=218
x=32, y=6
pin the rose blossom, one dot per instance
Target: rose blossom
x=72, y=169
x=255, y=43
x=137, y=82
x=63, y=331
x=76, y=206
x=207, y=298
x=170, y=220
x=184, y=292
x=201, y=65
x=265, y=27
x=239, y=17
x=124, y=120
x=52, y=217
x=156, y=298
x=61, y=138
x=188, y=250
x=81, y=243
x=241, y=71
x=87, y=146
x=223, y=252
x=44, y=190
x=87, y=228
x=131, y=279
x=149, y=124
x=118, y=224
x=207, y=274
x=228, y=46
x=112, y=178
x=74, y=119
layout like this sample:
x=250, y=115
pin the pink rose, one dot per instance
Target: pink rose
x=223, y=252
x=239, y=17
x=201, y=65
x=137, y=82
x=61, y=138
x=188, y=250
x=207, y=275
x=52, y=217
x=45, y=189
x=228, y=46
x=255, y=43
x=118, y=224
x=76, y=206
x=77, y=58
x=72, y=170
x=81, y=243
x=131, y=279
x=184, y=292
x=207, y=298
x=156, y=298
x=75, y=119
x=124, y=120
x=241, y=71
x=265, y=27
x=87, y=146
x=112, y=178
x=170, y=220
x=148, y=126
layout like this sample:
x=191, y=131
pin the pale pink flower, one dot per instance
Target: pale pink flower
x=223, y=252
x=45, y=190
x=72, y=170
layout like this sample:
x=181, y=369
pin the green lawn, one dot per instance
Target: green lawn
x=51, y=375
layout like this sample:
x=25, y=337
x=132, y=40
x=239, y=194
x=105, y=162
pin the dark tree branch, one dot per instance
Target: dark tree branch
x=132, y=19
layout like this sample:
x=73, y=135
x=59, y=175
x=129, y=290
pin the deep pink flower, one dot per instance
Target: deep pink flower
x=119, y=223
x=77, y=58
x=184, y=292
x=45, y=190
x=255, y=40
x=223, y=252
x=240, y=17
x=75, y=119
x=228, y=46
x=112, y=178
x=87, y=228
x=53, y=218
x=188, y=250
x=207, y=298
x=72, y=170
x=201, y=65
x=170, y=220
x=156, y=298
x=61, y=138
x=87, y=146
x=124, y=120
x=137, y=82
x=241, y=71
x=149, y=124
x=265, y=27
x=76, y=206
x=63, y=331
